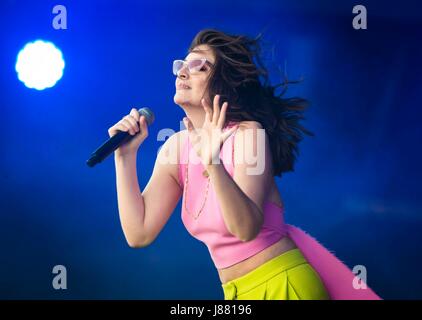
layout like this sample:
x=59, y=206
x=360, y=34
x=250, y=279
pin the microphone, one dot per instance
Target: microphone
x=117, y=140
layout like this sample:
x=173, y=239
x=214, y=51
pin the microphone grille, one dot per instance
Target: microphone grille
x=148, y=114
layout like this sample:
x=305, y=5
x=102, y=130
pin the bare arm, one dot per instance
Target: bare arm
x=241, y=198
x=144, y=214
x=129, y=198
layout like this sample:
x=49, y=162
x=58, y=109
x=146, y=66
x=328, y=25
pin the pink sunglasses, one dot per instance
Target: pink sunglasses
x=194, y=66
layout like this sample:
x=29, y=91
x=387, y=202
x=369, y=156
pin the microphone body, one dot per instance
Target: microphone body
x=117, y=140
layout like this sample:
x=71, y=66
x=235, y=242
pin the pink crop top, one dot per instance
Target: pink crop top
x=225, y=249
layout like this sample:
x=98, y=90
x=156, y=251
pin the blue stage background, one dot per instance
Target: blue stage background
x=356, y=187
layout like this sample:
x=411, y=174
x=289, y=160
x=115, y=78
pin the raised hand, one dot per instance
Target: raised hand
x=208, y=140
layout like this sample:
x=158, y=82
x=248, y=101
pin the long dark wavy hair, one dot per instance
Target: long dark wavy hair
x=241, y=79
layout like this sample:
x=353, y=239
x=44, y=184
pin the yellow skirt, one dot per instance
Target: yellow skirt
x=286, y=277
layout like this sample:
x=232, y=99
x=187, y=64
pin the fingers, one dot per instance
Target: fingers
x=222, y=118
x=117, y=127
x=229, y=132
x=136, y=122
x=143, y=126
x=214, y=115
x=134, y=113
x=131, y=124
x=216, y=109
x=208, y=112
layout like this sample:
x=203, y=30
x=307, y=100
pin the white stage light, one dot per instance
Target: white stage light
x=39, y=65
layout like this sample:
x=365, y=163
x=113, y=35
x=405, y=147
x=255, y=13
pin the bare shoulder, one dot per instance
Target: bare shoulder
x=250, y=124
x=175, y=142
x=170, y=152
x=250, y=142
x=178, y=141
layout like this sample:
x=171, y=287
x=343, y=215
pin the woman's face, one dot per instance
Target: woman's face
x=191, y=87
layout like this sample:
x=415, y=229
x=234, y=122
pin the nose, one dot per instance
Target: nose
x=183, y=73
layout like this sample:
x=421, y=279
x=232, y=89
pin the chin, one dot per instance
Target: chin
x=178, y=100
x=181, y=99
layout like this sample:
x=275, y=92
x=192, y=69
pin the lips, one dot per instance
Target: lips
x=182, y=86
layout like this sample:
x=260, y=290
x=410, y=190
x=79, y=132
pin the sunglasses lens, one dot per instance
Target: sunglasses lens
x=177, y=66
x=195, y=65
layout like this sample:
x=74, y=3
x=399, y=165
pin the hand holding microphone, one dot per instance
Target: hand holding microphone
x=125, y=136
x=136, y=126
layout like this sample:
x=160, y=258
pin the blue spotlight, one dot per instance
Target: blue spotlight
x=39, y=65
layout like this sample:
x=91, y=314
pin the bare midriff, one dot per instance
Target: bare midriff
x=239, y=269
